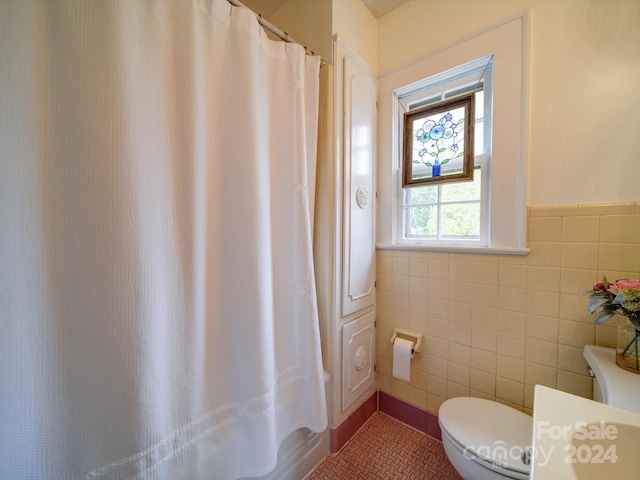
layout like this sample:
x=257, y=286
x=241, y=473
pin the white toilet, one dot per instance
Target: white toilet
x=488, y=440
x=484, y=439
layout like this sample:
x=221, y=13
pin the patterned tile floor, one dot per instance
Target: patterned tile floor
x=387, y=449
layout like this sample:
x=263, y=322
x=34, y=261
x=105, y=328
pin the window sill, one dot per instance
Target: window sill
x=457, y=249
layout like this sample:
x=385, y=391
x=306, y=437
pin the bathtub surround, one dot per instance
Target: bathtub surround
x=496, y=325
x=159, y=313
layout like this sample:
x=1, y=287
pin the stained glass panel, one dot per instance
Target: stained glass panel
x=438, y=142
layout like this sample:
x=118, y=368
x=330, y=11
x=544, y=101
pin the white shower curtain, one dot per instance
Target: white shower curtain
x=158, y=311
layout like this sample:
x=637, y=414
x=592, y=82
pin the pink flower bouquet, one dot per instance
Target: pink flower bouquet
x=621, y=297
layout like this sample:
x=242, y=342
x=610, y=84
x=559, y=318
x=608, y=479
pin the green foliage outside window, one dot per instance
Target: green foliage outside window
x=457, y=218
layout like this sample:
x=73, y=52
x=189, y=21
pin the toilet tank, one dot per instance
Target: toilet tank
x=597, y=391
x=612, y=385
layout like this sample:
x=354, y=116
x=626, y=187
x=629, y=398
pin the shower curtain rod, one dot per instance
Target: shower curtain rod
x=284, y=36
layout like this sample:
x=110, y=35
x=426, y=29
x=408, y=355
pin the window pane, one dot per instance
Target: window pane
x=418, y=195
x=478, y=135
x=447, y=213
x=461, y=220
x=461, y=90
x=421, y=221
x=462, y=191
x=479, y=106
x=478, y=138
x=426, y=101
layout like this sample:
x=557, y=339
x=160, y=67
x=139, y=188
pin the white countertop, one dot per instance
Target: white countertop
x=577, y=438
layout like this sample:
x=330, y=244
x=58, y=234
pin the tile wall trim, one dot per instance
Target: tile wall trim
x=340, y=435
x=421, y=420
x=610, y=208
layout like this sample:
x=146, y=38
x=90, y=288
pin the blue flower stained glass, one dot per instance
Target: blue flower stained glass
x=438, y=142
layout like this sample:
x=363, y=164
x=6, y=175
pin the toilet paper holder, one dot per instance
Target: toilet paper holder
x=415, y=337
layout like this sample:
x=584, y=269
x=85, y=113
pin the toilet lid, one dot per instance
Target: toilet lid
x=487, y=429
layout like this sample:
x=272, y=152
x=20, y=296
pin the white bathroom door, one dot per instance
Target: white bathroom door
x=358, y=268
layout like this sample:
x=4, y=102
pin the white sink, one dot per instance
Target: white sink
x=576, y=438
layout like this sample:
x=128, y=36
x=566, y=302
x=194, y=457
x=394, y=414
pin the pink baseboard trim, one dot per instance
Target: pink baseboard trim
x=341, y=434
x=421, y=420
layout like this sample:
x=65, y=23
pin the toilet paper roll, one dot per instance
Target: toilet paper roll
x=402, y=355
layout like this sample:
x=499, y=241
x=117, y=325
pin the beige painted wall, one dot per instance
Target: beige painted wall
x=357, y=28
x=584, y=71
x=309, y=23
x=314, y=22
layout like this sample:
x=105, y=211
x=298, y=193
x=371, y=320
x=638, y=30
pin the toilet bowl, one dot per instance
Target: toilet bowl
x=484, y=439
x=487, y=440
